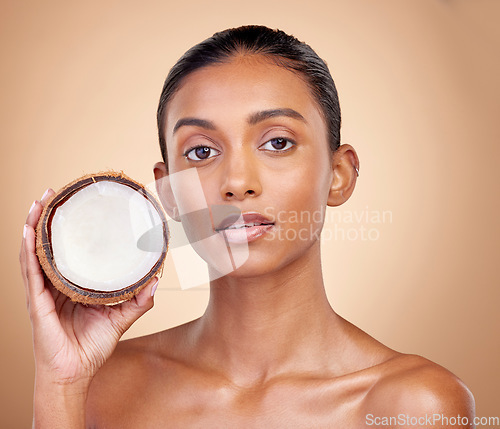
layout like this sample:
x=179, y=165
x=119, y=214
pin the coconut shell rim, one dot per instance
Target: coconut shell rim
x=44, y=248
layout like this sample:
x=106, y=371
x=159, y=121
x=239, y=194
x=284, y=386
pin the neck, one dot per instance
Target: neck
x=256, y=328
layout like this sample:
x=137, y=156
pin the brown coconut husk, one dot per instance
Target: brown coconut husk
x=44, y=247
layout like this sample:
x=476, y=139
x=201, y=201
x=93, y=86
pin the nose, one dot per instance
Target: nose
x=240, y=176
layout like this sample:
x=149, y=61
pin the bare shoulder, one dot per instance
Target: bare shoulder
x=117, y=379
x=411, y=386
x=132, y=354
x=131, y=372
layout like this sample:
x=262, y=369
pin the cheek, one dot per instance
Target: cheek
x=299, y=206
x=305, y=186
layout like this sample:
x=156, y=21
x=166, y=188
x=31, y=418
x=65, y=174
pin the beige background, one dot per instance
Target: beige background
x=419, y=90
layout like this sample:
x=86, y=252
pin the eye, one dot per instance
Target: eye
x=279, y=144
x=200, y=153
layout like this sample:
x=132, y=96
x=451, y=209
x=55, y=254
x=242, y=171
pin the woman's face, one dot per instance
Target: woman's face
x=256, y=138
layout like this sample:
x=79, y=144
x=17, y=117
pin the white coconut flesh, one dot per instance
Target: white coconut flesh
x=95, y=234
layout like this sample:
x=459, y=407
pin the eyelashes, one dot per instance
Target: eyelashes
x=203, y=152
x=200, y=153
x=279, y=144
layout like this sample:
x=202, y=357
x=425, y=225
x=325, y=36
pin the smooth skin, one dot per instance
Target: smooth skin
x=269, y=351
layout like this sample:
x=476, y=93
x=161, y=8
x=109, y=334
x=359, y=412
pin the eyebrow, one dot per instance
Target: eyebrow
x=194, y=122
x=253, y=119
x=257, y=117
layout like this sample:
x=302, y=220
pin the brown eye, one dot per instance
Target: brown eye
x=279, y=144
x=200, y=153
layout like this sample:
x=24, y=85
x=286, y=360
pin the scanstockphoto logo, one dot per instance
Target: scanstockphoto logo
x=210, y=241
x=437, y=420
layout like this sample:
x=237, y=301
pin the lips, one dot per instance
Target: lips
x=245, y=220
x=246, y=228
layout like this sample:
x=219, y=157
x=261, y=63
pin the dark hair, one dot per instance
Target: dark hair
x=283, y=49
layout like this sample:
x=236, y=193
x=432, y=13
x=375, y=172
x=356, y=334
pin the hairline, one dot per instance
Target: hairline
x=242, y=53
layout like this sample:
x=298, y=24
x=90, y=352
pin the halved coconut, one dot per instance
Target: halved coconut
x=102, y=238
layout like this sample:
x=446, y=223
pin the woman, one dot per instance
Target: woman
x=255, y=114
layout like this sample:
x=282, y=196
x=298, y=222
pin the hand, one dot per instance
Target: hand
x=71, y=341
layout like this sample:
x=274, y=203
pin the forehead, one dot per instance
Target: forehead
x=232, y=90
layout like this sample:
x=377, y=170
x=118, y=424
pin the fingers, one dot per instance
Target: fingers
x=49, y=193
x=143, y=301
x=38, y=297
x=30, y=267
x=128, y=312
x=34, y=214
x=37, y=208
x=31, y=220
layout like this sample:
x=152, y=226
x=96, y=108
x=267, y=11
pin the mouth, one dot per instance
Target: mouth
x=245, y=228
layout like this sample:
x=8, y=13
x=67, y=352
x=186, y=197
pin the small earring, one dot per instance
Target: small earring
x=357, y=171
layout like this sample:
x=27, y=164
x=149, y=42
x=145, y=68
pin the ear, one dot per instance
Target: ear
x=345, y=165
x=164, y=190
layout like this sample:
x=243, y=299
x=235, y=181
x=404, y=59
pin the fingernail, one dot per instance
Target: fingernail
x=45, y=194
x=153, y=289
x=24, y=230
x=32, y=205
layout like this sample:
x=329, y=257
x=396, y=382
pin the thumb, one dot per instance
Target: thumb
x=128, y=312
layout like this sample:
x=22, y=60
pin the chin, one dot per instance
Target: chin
x=262, y=264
